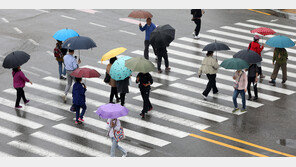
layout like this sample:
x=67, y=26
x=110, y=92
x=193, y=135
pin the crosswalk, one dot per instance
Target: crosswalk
x=178, y=107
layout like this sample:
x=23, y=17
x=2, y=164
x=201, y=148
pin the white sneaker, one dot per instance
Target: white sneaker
x=124, y=155
x=193, y=33
x=205, y=97
x=196, y=37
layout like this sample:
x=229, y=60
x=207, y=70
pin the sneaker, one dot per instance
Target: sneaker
x=250, y=98
x=235, y=110
x=26, y=102
x=124, y=155
x=205, y=97
x=19, y=107
x=196, y=37
x=255, y=98
x=168, y=69
x=159, y=71
x=150, y=109
x=63, y=78
x=77, y=122
x=193, y=33
x=80, y=119
x=283, y=81
x=143, y=115
x=65, y=98
x=243, y=110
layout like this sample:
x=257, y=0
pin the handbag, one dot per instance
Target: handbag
x=107, y=78
x=119, y=135
x=235, y=85
x=72, y=108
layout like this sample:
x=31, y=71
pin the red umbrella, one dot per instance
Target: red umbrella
x=263, y=31
x=85, y=73
x=140, y=14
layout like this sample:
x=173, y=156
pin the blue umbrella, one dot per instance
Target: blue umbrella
x=118, y=70
x=64, y=34
x=280, y=42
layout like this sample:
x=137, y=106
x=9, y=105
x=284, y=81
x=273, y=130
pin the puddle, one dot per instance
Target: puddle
x=287, y=142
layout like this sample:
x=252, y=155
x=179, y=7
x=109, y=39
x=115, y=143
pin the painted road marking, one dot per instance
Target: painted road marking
x=8, y=132
x=3, y=154
x=259, y=11
x=42, y=10
x=127, y=32
x=5, y=20
x=17, y=30
x=38, y=69
x=72, y=18
x=50, y=53
x=272, y=24
x=178, y=70
x=89, y=11
x=33, y=149
x=33, y=42
x=96, y=24
x=132, y=21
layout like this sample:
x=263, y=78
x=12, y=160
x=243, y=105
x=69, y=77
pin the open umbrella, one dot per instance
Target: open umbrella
x=139, y=64
x=113, y=53
x=162, y=36
x=215, y=46
x=140, y=14
x=15, y=59
x=263, y=31
x=64, y=34
x=118, y=70
x=85, y=73
x=249, y=56
x=111, y=111
x=235, y=64
x=280, y=41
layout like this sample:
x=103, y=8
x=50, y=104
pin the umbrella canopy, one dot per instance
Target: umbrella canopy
x=280, y=42
x=111, y=111
x=162, y=36
x=235, y=64
x=139, y=64
x=64, y=34
x=263, y=31
x=140, y=14
x=118, y=70
x=113, y=53
x=249, y=56
x=85, y=73
x=215, y=46
x=15, y=59
x=78, y=43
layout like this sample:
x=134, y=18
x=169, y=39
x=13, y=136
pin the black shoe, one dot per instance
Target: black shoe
x=250, y=98
x=122, y=104
x=255, y=98
x=111, y=102
x=216, y=93
x=117, y=100
x=283, y=81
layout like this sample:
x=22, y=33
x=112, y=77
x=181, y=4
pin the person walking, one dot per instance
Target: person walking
x=145, y=80
x=256, y=47
x=148, y=28
x=70, y=65
x=58, y=53
x=19, y=82
x=161, y=52
x=197, y=14
x=114, y=125
x=78, y=94
x=280, y=57
x=209, y=66
x=122, y=88
x=240, y=87
x=112, y=82
x=252, y=78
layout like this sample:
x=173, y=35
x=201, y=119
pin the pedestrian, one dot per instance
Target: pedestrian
x=112, y=82
x=78, y=94
x=280, y=57
x=19, y=82
x=70, y=65
x=197, y=14
x=114, y=125
x=161, y=52
x=59, y=57
x=252, y=78
x=209, y=66
x=145, y=80
x=240, y=87
x=256, y=47
x=148, y=28
x=122, y=88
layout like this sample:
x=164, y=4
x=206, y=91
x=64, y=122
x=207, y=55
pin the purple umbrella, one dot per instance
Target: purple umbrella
x=112, y=111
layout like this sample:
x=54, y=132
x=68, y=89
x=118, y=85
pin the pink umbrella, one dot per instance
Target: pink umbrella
x=111, y=111
x=85, y=73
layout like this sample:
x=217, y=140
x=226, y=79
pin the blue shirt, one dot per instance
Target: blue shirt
x=148, y=30
x=70, y=62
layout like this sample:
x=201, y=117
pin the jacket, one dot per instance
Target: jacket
x=197, y=13
x=209, y=65
x=122, y=85
x=256, y=47
x=252, y=70
x=144, y=79
x=78, y=94
x=242, y=81
x=280, y=56
x=110, y=130
x=112, y=82
x=19, y=79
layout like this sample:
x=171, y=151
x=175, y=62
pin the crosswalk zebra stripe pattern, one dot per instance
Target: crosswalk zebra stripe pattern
x=8, y=132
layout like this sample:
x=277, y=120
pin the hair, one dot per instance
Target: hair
x=112, y=60
x=255, y=40
x=210, y=53
x=78, y=79
x=15, y=69
x=148, y=18
x=71, y=51
x=280, y=49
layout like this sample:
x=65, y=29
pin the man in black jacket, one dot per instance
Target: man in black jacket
x=197, y=14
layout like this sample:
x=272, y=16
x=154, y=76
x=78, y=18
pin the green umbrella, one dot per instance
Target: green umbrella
x=235, y=64
x=139, y=64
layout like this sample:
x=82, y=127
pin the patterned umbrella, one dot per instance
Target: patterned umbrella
x=111, y=111
x=85, y=73
x=118, y=70
x=263, y=31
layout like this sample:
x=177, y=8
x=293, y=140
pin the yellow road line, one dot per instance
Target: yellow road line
x=247, y=143
x=259, y=11
x=227, y=145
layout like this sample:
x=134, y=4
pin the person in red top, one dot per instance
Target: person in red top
x=256, y=47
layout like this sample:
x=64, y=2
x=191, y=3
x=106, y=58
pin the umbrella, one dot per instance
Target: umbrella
x=78, y=43
x=280, y=42
x=249, y=56
x=111, y=111
x=118, y=70
x=64, y=34
x=162, y=36
x=263, y=31
x=140, y=14
x=85, y=73
x=15, y=59
x=139, y=64
x=235, y=64
x=215, y=46
x=113, y=53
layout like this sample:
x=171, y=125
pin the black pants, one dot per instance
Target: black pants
x=197, y=28
x=163, y=55
x=146, y=50
x=260, y=71
x=146, y=102
x=122, y=98
x=211, y=84
x=113, y=92
x=252, y=80
x=20, y=94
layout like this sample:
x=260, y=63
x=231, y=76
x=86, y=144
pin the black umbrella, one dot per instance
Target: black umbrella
x=162, y=36
x=215, y=46
x=78, y=43
x=15, y=59
x=249, y=56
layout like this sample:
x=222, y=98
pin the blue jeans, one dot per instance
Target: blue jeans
x=234, y=97
x=78, y=115
x=115, y=145
x=61, y=68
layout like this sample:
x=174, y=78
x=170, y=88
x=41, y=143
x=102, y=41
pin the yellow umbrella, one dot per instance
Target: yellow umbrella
x=113, y=53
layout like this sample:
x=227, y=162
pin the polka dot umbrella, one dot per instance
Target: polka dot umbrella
x=118, y=69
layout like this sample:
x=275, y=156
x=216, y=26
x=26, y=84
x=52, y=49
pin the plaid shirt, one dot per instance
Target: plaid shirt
x=58, y=54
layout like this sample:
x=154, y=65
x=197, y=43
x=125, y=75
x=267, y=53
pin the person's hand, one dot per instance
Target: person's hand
x=256, y=79
x=31, y=83
x=79, y=61
x=112, y=124
x=140, y=25
x=83, y=85
x=245, y=90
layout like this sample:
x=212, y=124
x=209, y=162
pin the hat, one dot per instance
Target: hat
x=257, y=37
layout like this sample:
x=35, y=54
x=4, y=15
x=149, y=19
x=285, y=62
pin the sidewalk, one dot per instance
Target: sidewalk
x=286, y=13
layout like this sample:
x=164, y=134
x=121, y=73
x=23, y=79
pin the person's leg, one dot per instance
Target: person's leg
x=121, y=149
x=23, y=95
x=146, y=50
x=249, y=87
x=122, y=98
x=114, y=144
x=60, y=68
x=112, y=94
x=166, y=60
x=64, y=71
x=18, y=97
x=208, y=88
x=148, y=100
x=197, y=28
x=255, y=88
x=275, y=71
x=77, y=108
x=214, y=87
x=69, y=82
x=234, y=97
x=159, y=59
x=116, y=93
x=242, y=93
x=284, y=72
x=83, y=111
x=144, y=105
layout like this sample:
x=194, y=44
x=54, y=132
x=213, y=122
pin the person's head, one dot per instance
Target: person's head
x=210, y=53
x=112, y=60
x=148, y=21
x=78, y=79
x=16, y=69
x=71, y=52
x=256, y=38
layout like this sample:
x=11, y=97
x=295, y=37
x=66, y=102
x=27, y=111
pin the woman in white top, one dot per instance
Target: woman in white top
x=114, y=124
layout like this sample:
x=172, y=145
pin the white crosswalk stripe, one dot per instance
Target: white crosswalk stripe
x=8, y=132
x=272, y=24
x=3, y=154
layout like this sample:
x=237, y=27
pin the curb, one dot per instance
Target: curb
x=286, y=15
